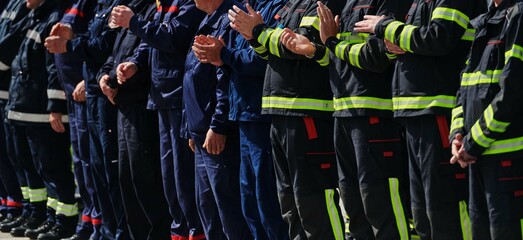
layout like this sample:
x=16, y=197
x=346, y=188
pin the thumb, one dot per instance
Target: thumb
x=337, y=20
x=459, y=137
x=220, y=38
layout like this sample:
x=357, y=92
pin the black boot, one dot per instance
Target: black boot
x=43, y=228
x=75, y=237
x=56, y=233
x=7, y=226
x=31, y=223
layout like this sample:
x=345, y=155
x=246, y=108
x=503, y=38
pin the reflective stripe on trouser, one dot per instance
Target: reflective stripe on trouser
x=496, y=200
x=306, y=176
x=176, y=157
x=139, y=172
x=372, y=166
x=258, y=191
x=218, y=190
x=437, y=188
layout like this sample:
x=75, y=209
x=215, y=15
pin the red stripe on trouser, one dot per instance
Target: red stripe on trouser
x=443, y=127
x=86, y=218
x=175, y=237
x=95, y=221
x=14, y=204
x=197, y=237
x=3, y=202
x=311, y=128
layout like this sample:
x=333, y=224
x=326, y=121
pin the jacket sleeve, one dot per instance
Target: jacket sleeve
x=93, y=48
x=371, y=55
x=243, y=61
x=448, y=25
x=457, y=125
x=55, y=93
x=500, y=114
x=169, y=36
x=141, y=56
x=10, y=42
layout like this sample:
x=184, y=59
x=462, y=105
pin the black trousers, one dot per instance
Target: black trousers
x=306, y=174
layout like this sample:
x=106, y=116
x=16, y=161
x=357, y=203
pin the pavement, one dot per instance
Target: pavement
x=7, y=236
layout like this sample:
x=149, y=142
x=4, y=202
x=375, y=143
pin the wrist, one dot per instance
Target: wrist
x=311, y=50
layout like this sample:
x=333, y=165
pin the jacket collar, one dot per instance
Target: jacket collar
x=47, y=7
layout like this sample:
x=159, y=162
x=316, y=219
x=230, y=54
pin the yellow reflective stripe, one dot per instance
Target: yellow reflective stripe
x=353, y=38
x=451, y=14
x=362, y=102
x=521, y=226
x=68, y=210
x=479, y=137
x=505, y=146
x=25, y=192
x=397, y=207
x=422, y=102
x=457, y=111
x=339, y=51
x=493, y=124
x=52, y=203
x=324, y=61
x=260, y=49
x=391, y=56
x=516, y=52
x=465, y=221
x=469, y=34
x=415, y=237
x=274, y=42
x=264, y=36
x=456, y=124
x=405, y=36
x=37, y=195
x=310, y=22
x=390, y=30
x=475, y=78
x=297, y=103
x=334, y=216
x=354, y=54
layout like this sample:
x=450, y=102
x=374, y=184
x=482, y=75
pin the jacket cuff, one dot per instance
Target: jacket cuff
x=381, y=26
x=219, y=127
x=472, y=148
x=225, y=56
x=133, y=24
x=332, y=42
x=56, y=105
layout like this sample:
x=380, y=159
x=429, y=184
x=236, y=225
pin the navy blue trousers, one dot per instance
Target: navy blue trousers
x=218, y=190
x=11, y=175
x=260, y=205
x=177, y=162
x=438, y=189
x=101, y=122
x=82, y=168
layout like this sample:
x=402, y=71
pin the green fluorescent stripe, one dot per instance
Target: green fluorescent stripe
x=340, y=50
x=451, y=14
x=397, y=207
x=324, y=61
x=264, y=36
x=25, y=192
x=354, y=54
x=456, y=124
x=457, y=111
x=68, y=210
x=469, y=34
x=516, y=52
x=334, y=217
x=521, y=226
x=479, y=137
x=362, y=102
x=465, y=221
x=353, y=38
x=505, y=146
x=493, y=124
x=260, y=50
x=297, y=103
x=390, y=30
x=52, y=203
x=310, y=21
x=37, y=195
x=401, y=103
x=405, y=37
x=274, y=42
x=475, y=78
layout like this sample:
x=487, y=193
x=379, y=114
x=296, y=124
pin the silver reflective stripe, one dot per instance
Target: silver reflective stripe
x=55, y=94
x=4, y=95
x=33, y=117
x=11, y=15
x=4, y=67
x=32, y=34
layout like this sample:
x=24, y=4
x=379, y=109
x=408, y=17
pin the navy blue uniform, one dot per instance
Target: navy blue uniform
x=169, y=36
x=94, y=47
x=259, y=198
x=205, y=94
x=35, y=93
x=70, y=70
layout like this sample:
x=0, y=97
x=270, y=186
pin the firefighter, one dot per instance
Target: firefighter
x=13, y=178
x=168, y=37
x=300, y=104
x=94, y=47
x=37, y=110
x=487, y=123
x=138, y=141
x=257, y=181
x=78, y=13
x=432, y=46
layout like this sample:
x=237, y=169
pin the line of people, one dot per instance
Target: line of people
x=214, y=119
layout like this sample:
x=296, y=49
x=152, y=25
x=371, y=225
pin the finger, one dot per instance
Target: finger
x=54, y=30
x=232, y=15
x=369, y=17
x=241, y=14
x=250, y=9
x=337, y=20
